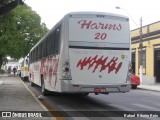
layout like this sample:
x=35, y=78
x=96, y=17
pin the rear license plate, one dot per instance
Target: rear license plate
x=99, y=90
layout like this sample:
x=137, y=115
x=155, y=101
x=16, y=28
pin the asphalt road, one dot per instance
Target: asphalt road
x=140, y=102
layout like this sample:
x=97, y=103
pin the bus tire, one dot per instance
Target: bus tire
x=43, y=90
x=83, y=94
x=21, y=78
x=25, y=78
x=31, y=83
x=134, y=87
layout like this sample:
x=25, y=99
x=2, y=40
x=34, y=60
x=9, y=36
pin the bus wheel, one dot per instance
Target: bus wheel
x=32, y=84
x=134, y=87
x=44, y=91
x=25, y=78
x=85, y=94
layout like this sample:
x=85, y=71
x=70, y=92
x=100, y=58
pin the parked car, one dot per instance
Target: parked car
x=135, y=81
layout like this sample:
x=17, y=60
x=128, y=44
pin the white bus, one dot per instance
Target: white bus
x=86, y=52
x=24, y=73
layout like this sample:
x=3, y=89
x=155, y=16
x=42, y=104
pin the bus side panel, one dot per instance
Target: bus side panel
x=48, y=70
x=35, y=73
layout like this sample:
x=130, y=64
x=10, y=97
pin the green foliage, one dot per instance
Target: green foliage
x=2, y=71
x=20, y=30
x=3, y=60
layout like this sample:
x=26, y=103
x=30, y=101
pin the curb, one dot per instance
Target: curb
x=44, y=108
x=43, y=104
x=143, y=88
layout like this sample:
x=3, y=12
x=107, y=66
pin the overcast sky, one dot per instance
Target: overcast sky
x=51, y=11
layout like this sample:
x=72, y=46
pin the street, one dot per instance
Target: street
x=94, y=105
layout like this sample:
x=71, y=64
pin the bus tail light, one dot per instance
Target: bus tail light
x=130, y=71
x=66, y=69
x=66, y=74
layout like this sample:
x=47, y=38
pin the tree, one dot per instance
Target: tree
x=7, y=5
x=3, y=60
x=20, y=30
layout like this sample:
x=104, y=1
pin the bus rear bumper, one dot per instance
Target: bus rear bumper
x=94, y=88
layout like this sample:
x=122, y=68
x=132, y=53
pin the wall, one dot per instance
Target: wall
x=151, y=41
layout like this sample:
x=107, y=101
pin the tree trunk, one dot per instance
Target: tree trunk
x=1, y=61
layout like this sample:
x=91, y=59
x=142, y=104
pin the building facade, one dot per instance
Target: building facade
x=150, y=57
x=11, y=63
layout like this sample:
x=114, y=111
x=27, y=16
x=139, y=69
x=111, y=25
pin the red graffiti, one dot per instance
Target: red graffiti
x=99, y=25
x=32, y=76
x=111, y=65
x=49, y=68
x=44, y=68
x=36, y=67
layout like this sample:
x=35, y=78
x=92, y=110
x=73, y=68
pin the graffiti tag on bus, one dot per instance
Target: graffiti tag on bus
x=49, y=66
x=103, y=62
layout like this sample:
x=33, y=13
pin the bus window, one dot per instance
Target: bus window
x=57, y=40
x=26, y=61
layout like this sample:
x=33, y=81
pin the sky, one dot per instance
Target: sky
x=51, y=11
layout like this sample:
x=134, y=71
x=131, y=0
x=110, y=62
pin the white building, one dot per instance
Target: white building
x=12, y=63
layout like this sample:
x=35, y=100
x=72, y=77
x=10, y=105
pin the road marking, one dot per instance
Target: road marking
x=44, y=105
x=45, y=109
x=146, y=107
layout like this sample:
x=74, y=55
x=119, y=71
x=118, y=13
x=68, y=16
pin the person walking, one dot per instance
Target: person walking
x=14, y=71
x=9, y=70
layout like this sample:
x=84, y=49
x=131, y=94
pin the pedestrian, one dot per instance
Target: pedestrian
x=14, y=71
x=9, y=70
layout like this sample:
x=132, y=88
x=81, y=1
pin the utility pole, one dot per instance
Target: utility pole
x=140, y=43
x=141, y=55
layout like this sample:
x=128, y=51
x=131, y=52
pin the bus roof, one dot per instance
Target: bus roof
x=97, y=14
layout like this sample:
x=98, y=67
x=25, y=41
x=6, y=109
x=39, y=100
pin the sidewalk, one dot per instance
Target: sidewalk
x=15, y=97
x=154, y=87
